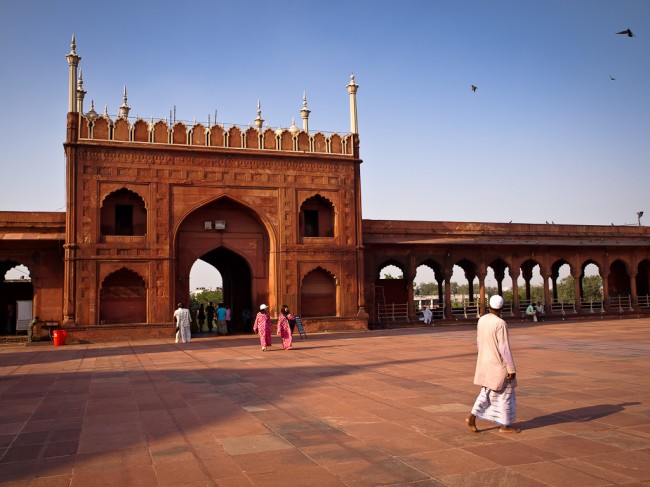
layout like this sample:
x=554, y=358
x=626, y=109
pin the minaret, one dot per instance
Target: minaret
x=73, y=62
x=305, y=113
x=352, y=89
x=259, y=120
x=81, y=93
x=123, y=112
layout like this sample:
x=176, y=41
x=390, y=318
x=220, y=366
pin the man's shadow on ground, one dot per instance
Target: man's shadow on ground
x=578, y=415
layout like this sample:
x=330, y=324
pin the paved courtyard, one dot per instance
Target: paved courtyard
x=371, y=408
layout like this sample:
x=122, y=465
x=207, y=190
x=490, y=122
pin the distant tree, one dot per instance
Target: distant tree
x=426, y=289
x=389, y=276
x=592, y=288
x=205, y=296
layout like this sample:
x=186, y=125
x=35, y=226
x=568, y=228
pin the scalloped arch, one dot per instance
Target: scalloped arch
x=124, y=188
x=316, y=267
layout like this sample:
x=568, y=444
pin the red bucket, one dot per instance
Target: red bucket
x=59, y=337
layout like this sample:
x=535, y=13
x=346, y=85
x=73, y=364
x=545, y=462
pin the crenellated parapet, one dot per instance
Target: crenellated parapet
x=103, y=128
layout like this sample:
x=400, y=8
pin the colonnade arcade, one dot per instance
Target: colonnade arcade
x=625, y=281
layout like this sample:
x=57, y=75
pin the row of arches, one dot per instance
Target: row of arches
x=123, y=294
x=124, y=213
x=159, y=132
x=619, y=282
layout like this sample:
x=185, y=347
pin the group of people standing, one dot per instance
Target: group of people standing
x=223, y=318
x=262, y=325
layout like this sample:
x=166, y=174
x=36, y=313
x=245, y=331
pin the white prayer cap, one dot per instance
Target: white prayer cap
x=263, y=306
x=496, y=302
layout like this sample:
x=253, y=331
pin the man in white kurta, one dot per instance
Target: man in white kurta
x=427, y=315
x=183, y=320
x=495, y=372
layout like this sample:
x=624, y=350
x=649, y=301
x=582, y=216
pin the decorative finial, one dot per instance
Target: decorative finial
x=123, y=112
x=73, y=46
x=259, y=121
x=304, y=112
x=92, y=114
x=293, y=129
x=81, y=93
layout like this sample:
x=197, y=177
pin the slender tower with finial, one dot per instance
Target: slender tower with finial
x=305, y=113
x=123, y=112
x=73, y=62
x=352, y=90
x=81, y=93
x=259, y=121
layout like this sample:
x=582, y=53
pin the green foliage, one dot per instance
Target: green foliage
x=389, y=276
x=204, y=297
x=426, y=289
x=591, y=290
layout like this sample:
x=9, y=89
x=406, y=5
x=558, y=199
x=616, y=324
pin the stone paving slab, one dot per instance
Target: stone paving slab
x=383, y=407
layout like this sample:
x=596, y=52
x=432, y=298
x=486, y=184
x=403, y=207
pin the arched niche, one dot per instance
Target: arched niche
x=303, y=142
x=123, y=213
x=316, y=217
x=318, y=294
x=123, y=298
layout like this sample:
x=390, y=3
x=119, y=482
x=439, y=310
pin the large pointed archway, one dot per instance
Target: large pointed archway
x=233, y=238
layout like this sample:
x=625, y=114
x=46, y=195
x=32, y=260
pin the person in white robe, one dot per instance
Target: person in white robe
x=495, y=372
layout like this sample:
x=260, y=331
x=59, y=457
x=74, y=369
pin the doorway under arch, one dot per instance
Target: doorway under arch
x=16, y=285
x=237, y=284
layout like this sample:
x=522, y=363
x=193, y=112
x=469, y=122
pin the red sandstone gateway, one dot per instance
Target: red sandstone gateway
x=278, y=213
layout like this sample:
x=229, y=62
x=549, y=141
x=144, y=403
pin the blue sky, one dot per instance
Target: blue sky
x=547, y=136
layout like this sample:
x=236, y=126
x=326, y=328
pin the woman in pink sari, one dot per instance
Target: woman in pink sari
x=263, y=326
x=284, y=330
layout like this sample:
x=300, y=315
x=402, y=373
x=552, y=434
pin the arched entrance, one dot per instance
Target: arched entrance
x=16, y=285
x=237, y=282
x=231, y=237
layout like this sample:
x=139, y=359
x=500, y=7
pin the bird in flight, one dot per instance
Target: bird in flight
x=626, y=32
x=474, y=88
x=612, y=78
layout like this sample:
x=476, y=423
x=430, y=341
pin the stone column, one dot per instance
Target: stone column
x=481, y=284
x=633, y=292
x=547, y=293
x=515, y=297
x=410, y=272
x=499, y=275
x=448, y=313
x=577, y=290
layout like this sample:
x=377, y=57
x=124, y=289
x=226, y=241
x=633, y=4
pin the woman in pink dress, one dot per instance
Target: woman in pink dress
x=284, y=330
x=263, y=326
